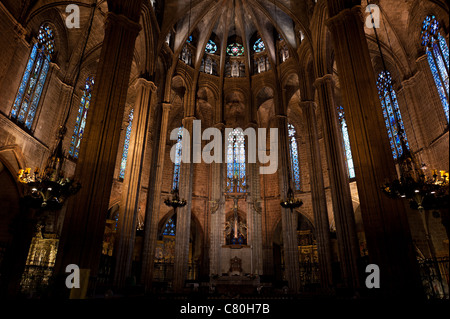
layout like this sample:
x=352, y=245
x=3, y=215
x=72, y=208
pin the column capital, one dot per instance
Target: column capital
x=53, y=65
x=130, y=8
x=21, y=32
x=326, y=79
x=421, y=58
x=410, y=81
x=307, y=105
x=252, y=124
x=188, y=119
x=280, y=116
x=122, y=20
x=145, y=83
x=219, y=126
x=343, y=15
x=166, y=106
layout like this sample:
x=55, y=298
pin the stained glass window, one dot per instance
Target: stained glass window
x=33, y=79
x=235, y=49
x=211, y=47
x=391, y=112
x=347, y=148
x=170, y=227
x=259, y=46
x=186, y=55
x=177, y=164
x=437, y=53
x=236, y=160
x=123, y=163
x=190, y=39
x=293, y=146
x=80, y=123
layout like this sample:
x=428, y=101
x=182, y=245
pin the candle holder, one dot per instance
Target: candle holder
x=48, y=188
x=291, y=203
x=175, y=202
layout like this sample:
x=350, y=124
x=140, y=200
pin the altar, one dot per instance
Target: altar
x=235, y=280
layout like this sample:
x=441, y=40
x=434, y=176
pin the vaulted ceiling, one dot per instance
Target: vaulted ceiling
x=223, y=19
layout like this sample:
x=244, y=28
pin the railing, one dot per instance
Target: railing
x=309, y=274
x=435, y=277
x=36, y=278
x=163, y=272
x=105, y=274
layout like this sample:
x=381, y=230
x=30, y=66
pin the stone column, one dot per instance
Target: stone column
x=184, y=215
x=339, y=181
x=84, y=224
x=254, y=218
x=319, y=199
x=385, y=221
x=154, y=203
x=217, y=213
x=290, y=244
x=129, y=208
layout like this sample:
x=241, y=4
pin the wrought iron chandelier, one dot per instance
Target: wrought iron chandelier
x=48, y=188
x=423, y=192
x=291, y=203
x=175, y=202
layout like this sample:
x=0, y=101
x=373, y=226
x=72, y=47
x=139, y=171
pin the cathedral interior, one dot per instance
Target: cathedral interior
x=100, y=172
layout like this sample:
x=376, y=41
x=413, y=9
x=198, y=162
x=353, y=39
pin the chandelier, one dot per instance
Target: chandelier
x=48, y=188
x=291, y=203
x=175, y=202
x=423, y=192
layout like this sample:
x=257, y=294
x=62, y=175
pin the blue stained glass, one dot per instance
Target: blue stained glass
x=437, y=80
x=295, y=167
x=437, y=53
x=211, y=47
x=236, y=159
x=170, y=228
x=177, y=164
x=33, y=79
x=37, y=94
x=259, y=46
x=441, y=64
x=444, y=48
x=123, y=163
x=235, y=49
x=347, y=148
x=391, y=113
x=81, y=119
x=24, y=83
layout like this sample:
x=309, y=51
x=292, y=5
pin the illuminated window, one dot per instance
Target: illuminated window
x=391, y=112
x=293, y=146
x=186, y=55
x=170, y=227
x=437, y=52
x=236, y=159
x=33, y=79
x=80, y=123
x=347, y=148
x=177, y=164
x=259, y=46
x=123, y=163
x=235, y=49
x=211, y=47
